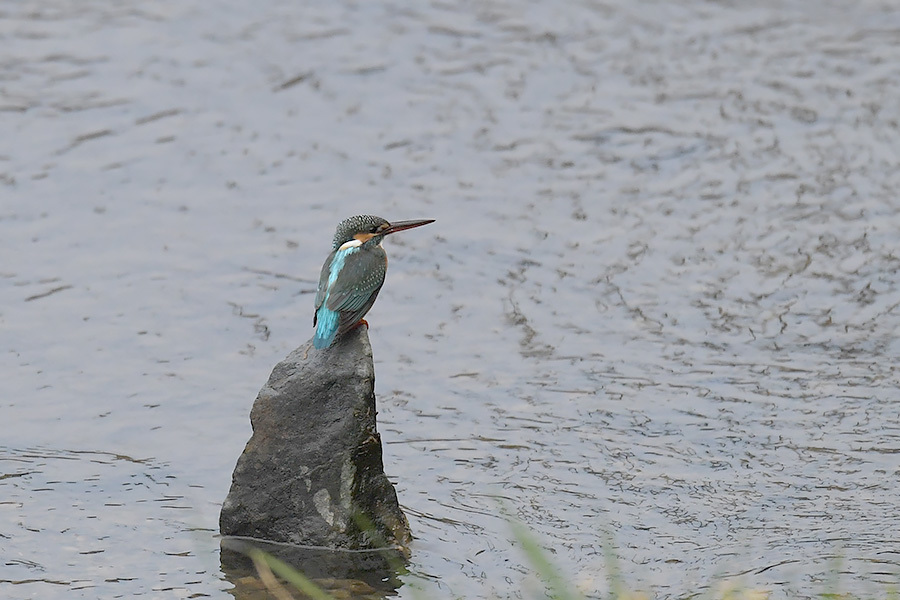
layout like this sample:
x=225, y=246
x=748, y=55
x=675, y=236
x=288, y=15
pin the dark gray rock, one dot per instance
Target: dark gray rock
x=313, y=464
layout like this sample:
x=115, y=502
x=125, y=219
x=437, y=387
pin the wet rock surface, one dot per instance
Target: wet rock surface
x=312, y=471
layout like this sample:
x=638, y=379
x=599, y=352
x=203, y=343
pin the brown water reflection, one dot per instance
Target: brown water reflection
x=362, y=575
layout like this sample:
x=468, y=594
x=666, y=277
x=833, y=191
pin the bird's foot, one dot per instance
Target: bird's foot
x=361, y=322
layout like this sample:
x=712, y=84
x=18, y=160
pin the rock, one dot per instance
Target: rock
x=313, y=465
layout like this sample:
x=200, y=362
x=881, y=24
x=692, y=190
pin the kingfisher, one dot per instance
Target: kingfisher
x=353, y=274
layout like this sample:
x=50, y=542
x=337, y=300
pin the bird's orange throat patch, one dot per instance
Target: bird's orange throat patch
x=358, y=240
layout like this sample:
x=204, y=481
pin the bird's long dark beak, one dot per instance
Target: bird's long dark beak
x=403, y=225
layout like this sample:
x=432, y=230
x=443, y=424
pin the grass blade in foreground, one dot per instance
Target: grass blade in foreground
x=266, y=564
x=540, y=562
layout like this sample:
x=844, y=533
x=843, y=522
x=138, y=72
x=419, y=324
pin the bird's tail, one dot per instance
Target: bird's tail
x=326, y=327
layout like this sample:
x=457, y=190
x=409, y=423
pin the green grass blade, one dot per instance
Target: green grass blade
x=548, y=572
x=289, y=574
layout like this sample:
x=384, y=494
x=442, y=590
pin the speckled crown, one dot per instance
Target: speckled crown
x=347, y=228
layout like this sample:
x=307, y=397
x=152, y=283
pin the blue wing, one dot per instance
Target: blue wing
x=323, y=285
x=348, y=285
x=357, y=285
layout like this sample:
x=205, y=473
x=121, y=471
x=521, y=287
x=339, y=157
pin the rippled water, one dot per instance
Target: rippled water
x=659, y=305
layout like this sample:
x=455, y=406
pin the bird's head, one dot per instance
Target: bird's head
x=369, y=229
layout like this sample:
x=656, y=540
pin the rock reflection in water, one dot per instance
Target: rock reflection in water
x=358, y=575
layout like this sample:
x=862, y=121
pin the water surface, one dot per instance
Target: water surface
x=659, y=305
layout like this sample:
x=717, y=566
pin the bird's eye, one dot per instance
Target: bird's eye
x=375, y=229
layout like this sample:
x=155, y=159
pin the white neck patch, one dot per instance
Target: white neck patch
x=354, y=243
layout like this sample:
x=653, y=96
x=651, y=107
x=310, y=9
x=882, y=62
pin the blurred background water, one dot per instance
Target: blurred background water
x=659, y=307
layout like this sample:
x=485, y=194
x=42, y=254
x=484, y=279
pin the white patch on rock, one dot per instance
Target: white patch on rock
x=348, y=474
x=306, y=480
x=322, y=502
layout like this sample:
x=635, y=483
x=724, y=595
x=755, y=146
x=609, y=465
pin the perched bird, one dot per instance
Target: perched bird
x=353, y=274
